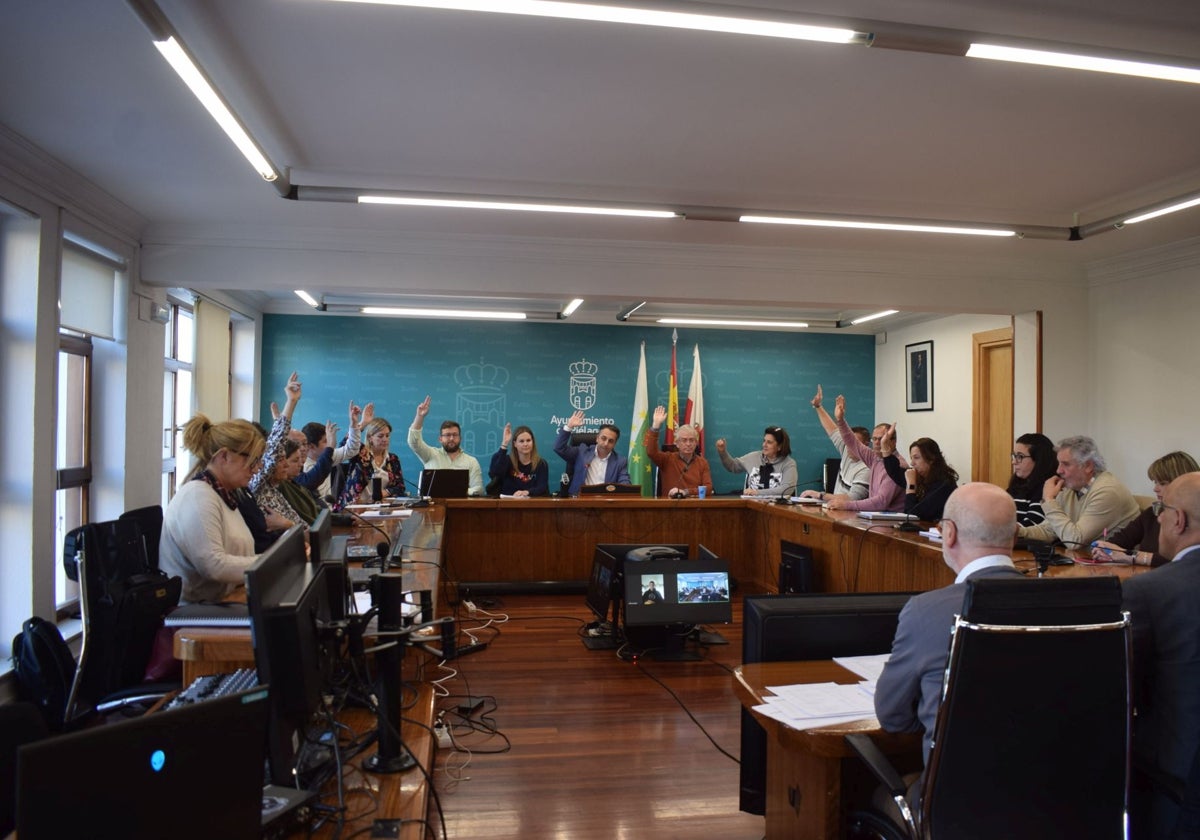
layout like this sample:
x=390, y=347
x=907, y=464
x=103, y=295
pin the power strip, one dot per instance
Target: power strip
x=443, y=736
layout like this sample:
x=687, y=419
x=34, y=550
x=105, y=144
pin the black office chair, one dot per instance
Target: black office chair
x=1032, y=736
x=578, y=438
x=830, y=474
x=150, y=520
x=122, y=600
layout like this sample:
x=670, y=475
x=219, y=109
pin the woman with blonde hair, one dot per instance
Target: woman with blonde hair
x=1137, y=542
x=204, y=538
x=374, y=460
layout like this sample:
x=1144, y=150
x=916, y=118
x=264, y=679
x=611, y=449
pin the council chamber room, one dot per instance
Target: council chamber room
x=748, y=327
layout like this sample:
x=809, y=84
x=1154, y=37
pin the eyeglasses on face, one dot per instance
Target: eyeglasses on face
x=1159, y=507
x=1020, y=456
x=450, y=434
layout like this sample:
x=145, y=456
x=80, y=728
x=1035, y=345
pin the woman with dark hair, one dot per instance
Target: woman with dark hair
x=927, y=480
x=1137, y=542
x=1033, y=461
x=522, y=472
x=770, y=471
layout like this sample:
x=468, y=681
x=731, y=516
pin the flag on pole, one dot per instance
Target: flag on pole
x=641, y=470
x=693, y=412
x=673, y=393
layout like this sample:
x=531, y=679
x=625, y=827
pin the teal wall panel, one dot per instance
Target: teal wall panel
x=485, y=374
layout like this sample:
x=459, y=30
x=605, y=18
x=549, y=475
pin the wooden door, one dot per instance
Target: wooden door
x=992, y=416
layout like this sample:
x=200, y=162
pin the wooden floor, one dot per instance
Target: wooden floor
x=599, y=749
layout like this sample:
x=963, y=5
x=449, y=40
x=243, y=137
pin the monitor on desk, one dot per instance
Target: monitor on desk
x=289, y=603
x=606, y=584
x=326, y=549
x=782, y=628
x=191, y=772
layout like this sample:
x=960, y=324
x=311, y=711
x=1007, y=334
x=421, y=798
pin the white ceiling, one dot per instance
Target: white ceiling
x=363, y=95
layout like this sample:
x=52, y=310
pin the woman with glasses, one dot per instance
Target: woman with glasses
x=926, y=478
x=1137, y=542
x=205, y=539
x=770, y=471
x=374, y=460
x=1033, y=461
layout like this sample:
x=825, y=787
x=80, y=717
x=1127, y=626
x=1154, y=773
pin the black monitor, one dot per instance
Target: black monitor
x=601, y=591
x=677, y=591
x=288, y=600
x=326, y=549
x=780, y=628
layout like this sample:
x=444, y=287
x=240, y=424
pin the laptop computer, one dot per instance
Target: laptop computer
x=444, y=484
x=887, y=515
x=599, y=489
x=144, y=776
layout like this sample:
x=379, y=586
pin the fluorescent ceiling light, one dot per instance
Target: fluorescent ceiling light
x=515, y=205
x=872, y=317
x=307, y=298
x=721, y=322
x=175, y=55
x=490, y=314
x=642, y=17
x=571, y=307
x=1174, y=208
x=910, y=228
x=1085, y=62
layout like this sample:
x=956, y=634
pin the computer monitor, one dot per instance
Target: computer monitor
x=326, y=549
x=677, y=591
x=778, y=628
x=612, y=557
x=601, y=594
x=289, y=603
x=190, y=772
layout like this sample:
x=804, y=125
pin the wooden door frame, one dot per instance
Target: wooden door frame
x=980, y=342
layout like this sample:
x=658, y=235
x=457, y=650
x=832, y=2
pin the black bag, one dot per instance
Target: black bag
x=127, y=599
x=44, y=668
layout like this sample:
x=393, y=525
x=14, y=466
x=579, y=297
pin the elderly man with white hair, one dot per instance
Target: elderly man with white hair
x=1082, y=499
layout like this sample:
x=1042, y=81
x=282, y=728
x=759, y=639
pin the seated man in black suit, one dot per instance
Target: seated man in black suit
x=1166, y=652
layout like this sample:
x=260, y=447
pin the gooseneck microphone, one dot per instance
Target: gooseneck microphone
x=384, y=549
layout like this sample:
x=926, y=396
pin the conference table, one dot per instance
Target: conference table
x=530, y=544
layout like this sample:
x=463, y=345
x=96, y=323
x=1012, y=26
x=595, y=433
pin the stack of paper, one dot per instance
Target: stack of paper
x=811, y=705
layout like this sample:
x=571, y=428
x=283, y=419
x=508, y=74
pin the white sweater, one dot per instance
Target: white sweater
x=205, y=543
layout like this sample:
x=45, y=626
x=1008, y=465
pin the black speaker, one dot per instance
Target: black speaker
x=795, y=568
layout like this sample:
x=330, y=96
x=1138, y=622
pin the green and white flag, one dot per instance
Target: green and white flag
x=641, y=471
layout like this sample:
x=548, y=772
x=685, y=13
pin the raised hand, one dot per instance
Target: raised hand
x=423, y=407
x=887, y=444
x=839, y=408
x=331, y=431
x=368, y=413
x=721, y=445
x=507, y=436
x=576, y=420
x=355, y=415
x=816, y=401
x=274, y=410
x=660, y=414
x=293, y=387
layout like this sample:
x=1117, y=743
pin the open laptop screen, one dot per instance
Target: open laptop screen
x=445, y=484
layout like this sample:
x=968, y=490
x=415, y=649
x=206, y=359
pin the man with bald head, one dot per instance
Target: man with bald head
x=978, y=525
x=1165, y=607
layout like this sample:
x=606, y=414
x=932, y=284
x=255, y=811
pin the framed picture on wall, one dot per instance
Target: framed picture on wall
x=919, y=376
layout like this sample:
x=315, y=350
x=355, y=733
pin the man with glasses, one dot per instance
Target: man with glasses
x=1166, y=652
x=1082, y=499
x=448, y=456
x=977, y=528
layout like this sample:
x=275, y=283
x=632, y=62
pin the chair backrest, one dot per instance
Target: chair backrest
x=150, y=520
x=1032, y=736
x=830, y=474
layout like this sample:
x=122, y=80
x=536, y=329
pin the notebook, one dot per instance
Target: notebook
x=887, y=515
x=208, y=615
x=143, y=776
x=444, y=484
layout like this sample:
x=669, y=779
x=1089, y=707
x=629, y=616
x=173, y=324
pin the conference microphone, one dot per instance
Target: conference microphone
x=384, y=548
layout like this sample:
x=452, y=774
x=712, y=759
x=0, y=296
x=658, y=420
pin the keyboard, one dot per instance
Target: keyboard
x=212, y=686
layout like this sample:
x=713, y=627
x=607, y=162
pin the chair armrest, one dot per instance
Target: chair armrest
x=877, y=763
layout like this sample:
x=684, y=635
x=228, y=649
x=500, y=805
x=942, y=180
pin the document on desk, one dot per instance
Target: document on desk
x=867, y=667
x=386, y=513
x=810, y=705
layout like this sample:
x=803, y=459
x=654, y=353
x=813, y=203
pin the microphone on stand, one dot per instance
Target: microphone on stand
x=383, y=549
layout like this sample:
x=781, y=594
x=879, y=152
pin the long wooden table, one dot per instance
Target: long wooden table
x=813, y=778
x=515, y=541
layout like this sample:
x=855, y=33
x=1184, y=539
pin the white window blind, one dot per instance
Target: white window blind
x=87, y=293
